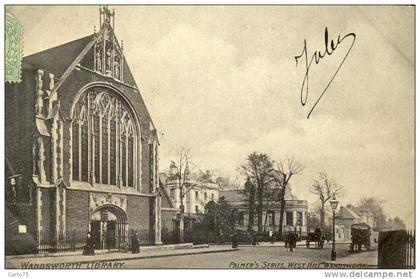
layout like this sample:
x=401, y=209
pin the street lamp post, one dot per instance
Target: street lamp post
x=334, y=204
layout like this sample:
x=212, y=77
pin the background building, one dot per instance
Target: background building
x=170, y=215
x=295, y=213
x=81, y=149
x=201, y=188
x=198, y=188
x=349, y=215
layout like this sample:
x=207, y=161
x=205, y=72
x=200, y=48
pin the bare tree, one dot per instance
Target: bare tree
x=185, y=183
x=271, y=197
x=325, y=188
x=286, y=169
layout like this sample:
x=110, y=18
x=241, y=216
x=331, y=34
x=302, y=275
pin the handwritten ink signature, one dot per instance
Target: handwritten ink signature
x=318, y=56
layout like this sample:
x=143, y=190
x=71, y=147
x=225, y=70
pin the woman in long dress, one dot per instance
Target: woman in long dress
x=135, y=243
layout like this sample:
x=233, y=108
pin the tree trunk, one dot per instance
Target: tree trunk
x=181, y=221
x=282, y=205
x=265, y=220
x=322, y=216
x=251, y=208
x=260, y=208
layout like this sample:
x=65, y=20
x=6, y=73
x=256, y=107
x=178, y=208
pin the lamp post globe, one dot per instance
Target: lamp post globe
x=334, y=203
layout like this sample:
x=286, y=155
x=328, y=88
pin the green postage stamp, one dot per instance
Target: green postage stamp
x=13, y=48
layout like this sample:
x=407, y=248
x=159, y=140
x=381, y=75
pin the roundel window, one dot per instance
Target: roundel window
x=103, y=140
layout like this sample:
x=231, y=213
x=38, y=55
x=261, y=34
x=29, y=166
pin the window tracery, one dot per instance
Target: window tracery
x=103, y=140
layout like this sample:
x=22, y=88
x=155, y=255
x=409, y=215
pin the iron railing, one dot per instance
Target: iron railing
x=396, y=249
x=410, y=257
x=52, y=243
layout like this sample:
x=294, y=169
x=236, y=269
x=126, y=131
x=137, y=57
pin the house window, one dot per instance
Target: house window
x=172, y=193
x=241, y=218
x=299, y=218
x=289, y=218
x=103, y=140
x=270, y=218
x=212, y=196
x=196, y=195
x=196, y=209
x=255, y=218
x=205, y=196
x=18, y=192
x=22, y=228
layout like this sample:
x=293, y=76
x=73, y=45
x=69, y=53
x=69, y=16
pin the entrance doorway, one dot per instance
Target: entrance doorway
x=109, y=228
x=103, y=234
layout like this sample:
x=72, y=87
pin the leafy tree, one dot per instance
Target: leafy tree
x=259, y=171
x=218, y=218
x=250, y=193
x=395, y=224
x=375, y=206
x=226, y=217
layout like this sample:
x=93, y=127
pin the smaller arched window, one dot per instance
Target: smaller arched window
x=103, y=140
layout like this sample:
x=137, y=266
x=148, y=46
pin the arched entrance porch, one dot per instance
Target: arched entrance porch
x=109, y=227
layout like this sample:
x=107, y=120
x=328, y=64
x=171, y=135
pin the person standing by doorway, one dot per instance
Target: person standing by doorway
x=104, y=236
x=135, y=244
x=89, y=247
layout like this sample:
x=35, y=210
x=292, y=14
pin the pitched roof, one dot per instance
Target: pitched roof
x=61, y=60
x=164, y=192
x=233, y=195
x=347, y=213
x=57, y=59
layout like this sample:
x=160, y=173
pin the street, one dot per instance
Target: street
x=265, y=257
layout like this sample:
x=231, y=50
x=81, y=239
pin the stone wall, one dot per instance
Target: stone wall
x=138, y=216
x=77, y=212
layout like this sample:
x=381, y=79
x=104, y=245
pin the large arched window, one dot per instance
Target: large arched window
x=103, y=140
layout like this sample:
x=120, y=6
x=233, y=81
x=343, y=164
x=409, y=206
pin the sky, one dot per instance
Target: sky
x=223, y=81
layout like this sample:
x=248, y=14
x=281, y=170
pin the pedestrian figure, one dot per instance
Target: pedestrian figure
x=135, y=244
x=89, y=247
x=271, y=236
x=234, y=240
x=318, y=234
x=292, y=241
x=253, y=239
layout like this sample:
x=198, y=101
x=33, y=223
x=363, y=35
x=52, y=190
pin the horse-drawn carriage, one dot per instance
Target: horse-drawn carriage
x=360, y=236
x=315, y=236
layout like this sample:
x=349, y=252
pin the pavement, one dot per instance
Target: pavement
x=264, y=255
x=77, y=260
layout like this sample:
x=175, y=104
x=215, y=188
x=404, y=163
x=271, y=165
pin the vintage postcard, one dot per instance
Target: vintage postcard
x=209, y=137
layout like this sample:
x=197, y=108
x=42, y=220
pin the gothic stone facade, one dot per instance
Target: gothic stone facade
x=81, y=149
